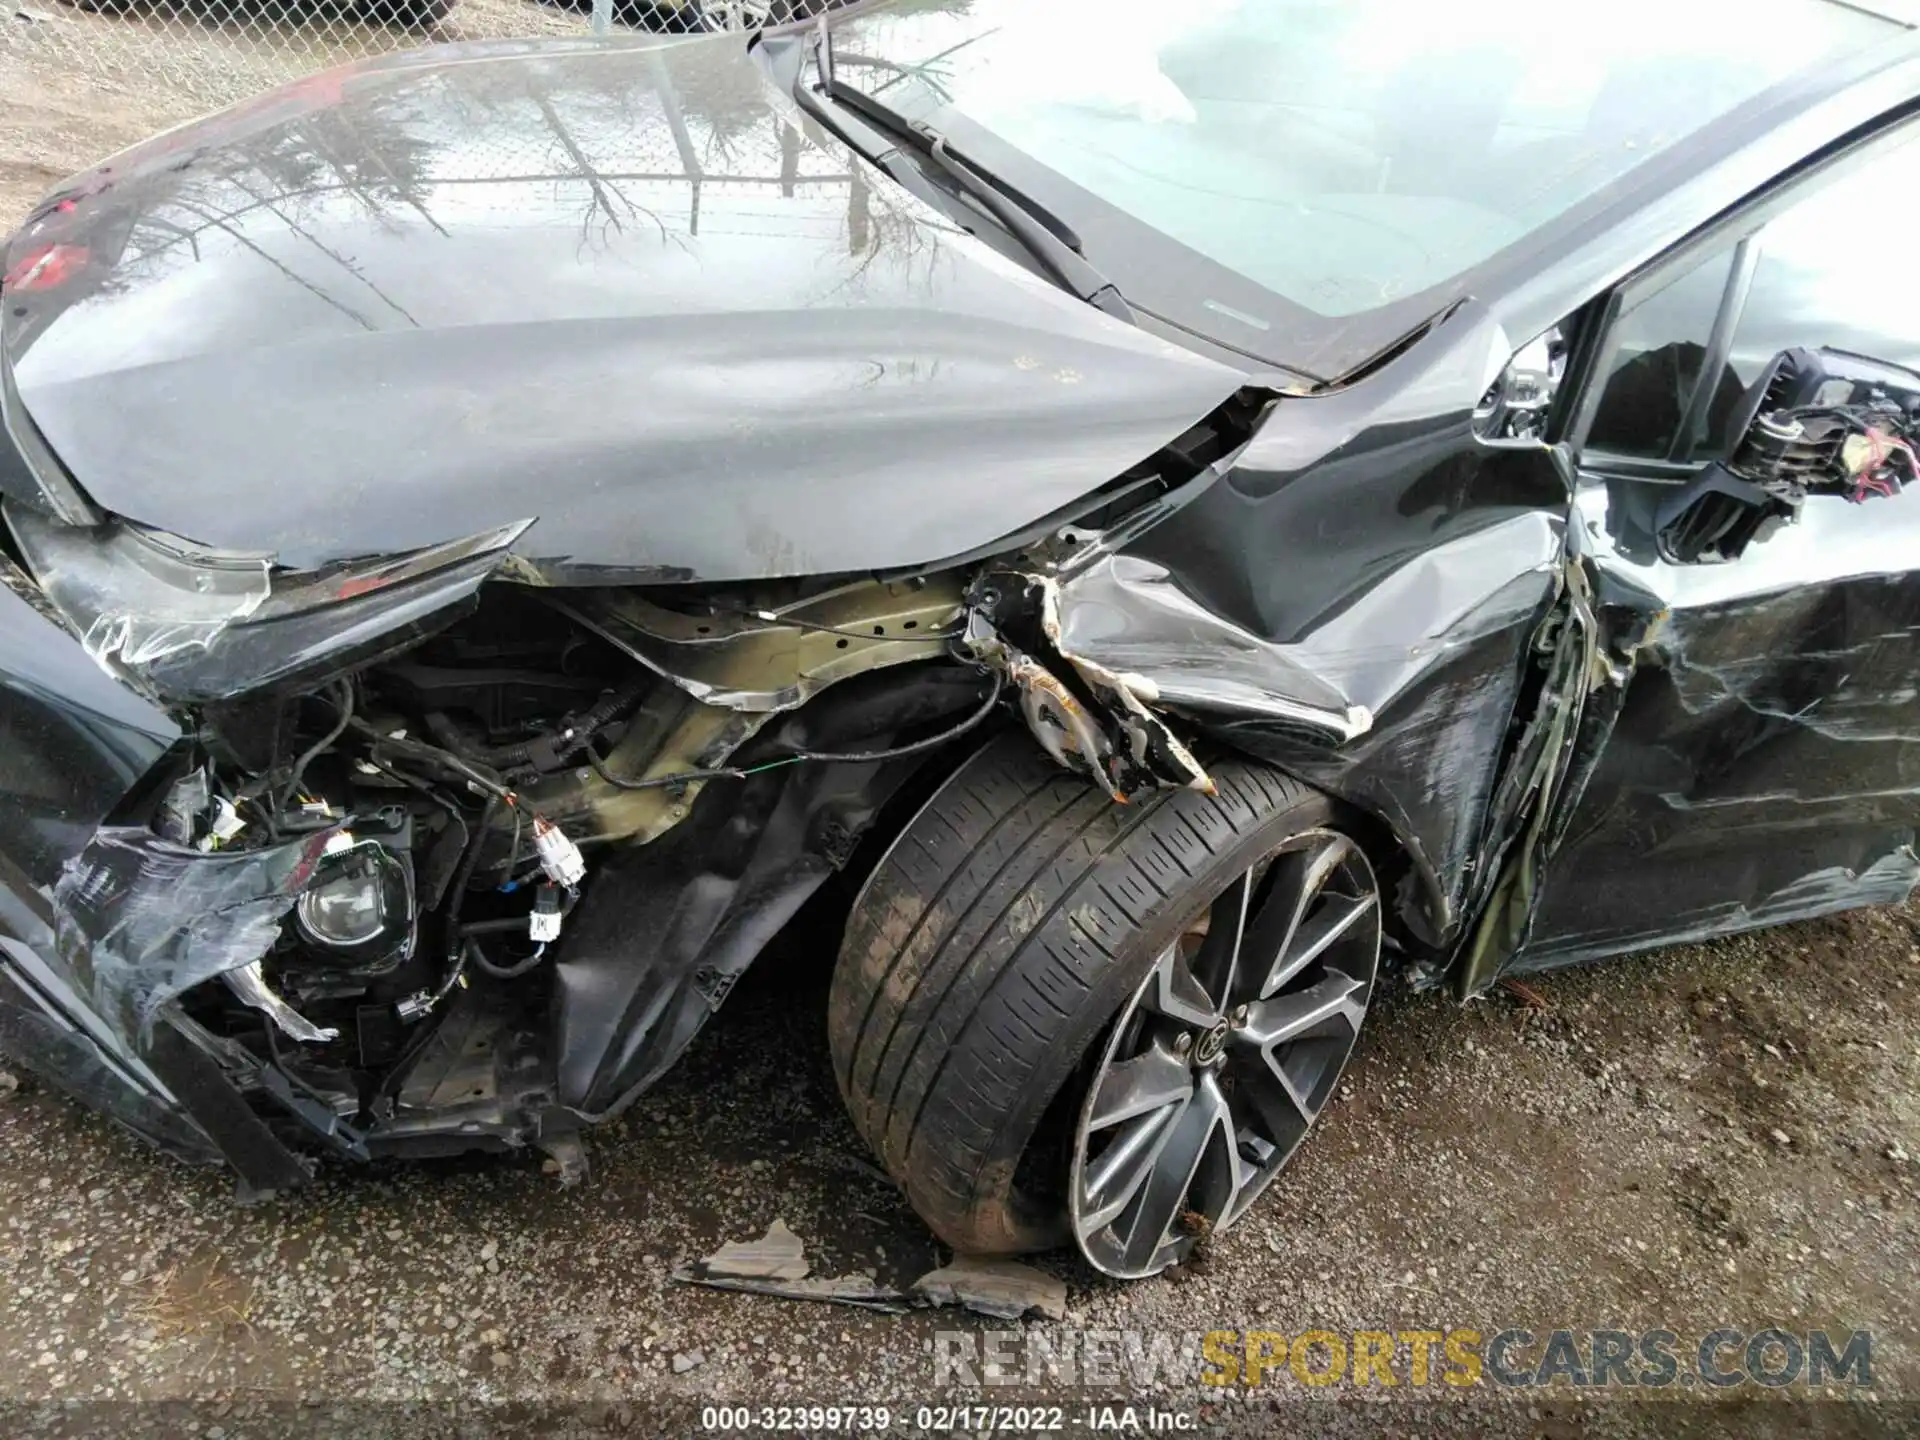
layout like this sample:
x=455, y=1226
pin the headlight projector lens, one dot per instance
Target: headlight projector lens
x=360, y=908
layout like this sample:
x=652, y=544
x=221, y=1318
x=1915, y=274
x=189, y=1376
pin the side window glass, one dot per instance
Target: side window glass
x=1836, y=271
x=1661, y=344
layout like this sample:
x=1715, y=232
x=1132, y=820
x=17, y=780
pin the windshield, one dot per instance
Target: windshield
x=1341, y=155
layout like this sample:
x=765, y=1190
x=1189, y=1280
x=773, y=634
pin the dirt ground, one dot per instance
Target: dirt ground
x=1717, y=1136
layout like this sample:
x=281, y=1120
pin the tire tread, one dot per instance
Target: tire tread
x=988, y=944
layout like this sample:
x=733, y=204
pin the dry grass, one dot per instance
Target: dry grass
x=194, y=1297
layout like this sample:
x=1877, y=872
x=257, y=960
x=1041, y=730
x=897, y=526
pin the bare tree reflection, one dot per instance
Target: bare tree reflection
x=669, y=149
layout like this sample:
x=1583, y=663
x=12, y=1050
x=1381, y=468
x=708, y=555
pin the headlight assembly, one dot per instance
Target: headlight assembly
x=189, y=624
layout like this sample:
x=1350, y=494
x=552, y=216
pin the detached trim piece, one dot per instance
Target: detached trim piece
x=264, y=1164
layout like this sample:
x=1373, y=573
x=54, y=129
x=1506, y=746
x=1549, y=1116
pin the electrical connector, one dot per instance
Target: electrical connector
x=549, y=913
x=226, y=824
x=410, y=1009
x=559, y=856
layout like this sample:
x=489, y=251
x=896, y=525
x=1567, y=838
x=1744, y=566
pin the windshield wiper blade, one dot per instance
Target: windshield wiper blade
x=1074, y=272
x=1051, y=243
x=921, y=137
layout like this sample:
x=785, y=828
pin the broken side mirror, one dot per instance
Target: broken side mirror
x=1513, y=413
x=1814, y=422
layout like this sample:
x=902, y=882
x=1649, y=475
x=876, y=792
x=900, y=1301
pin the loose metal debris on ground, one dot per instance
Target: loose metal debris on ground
x=776, y=1265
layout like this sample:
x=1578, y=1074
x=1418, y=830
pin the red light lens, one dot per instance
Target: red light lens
x=44, y=267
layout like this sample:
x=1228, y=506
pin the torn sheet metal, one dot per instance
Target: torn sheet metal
x=1761, y=760
x=1129, y=615
x=1400, y=701
x=1151, y=743
x=1103, y=727
x=141, y=920
x=1524, y=813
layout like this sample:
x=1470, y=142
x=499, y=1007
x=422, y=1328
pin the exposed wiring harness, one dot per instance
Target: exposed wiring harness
x=1869, y=455
x=857, y=757
x=481, y=778
x=342, y=697
x=972, y=722
x=547, y=752
x=684, y=777
x=477, y=957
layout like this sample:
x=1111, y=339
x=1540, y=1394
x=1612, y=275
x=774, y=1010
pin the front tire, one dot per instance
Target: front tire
x=1007, y=1014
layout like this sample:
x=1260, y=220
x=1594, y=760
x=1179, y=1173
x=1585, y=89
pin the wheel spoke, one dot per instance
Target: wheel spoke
x=1129, y=1088
x=1288, y=1017
x=1289, y=928
x=1334, y=917
x=1217, y=961
x=1174, y=993
x=1283, y=1110
x=1117, y=1175
x=1292, y=880
x=1165, y=1194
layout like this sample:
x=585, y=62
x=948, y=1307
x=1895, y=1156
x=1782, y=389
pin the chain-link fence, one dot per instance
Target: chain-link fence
x=169, y=59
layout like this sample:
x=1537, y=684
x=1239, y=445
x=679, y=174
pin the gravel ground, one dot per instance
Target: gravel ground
x=1720, y=1135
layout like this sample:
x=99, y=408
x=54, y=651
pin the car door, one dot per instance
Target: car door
x=1764, y=762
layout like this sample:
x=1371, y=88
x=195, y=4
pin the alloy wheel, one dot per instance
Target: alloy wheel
x=1225, y=1055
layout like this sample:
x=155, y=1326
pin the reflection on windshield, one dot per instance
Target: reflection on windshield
x=1343, y=154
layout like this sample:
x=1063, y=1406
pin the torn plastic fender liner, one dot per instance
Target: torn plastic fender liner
x=140, y=920
x=663, y=930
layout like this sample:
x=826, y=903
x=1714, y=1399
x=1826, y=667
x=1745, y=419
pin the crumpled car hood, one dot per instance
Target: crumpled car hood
x=627, y=290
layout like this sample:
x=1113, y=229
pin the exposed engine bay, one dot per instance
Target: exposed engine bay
x=425, y=827
x=485, y=885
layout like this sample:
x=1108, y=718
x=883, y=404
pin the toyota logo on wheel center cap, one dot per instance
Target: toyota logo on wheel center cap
x=1212, y=1045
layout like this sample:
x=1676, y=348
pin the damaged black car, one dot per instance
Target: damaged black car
x=1179, y=516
